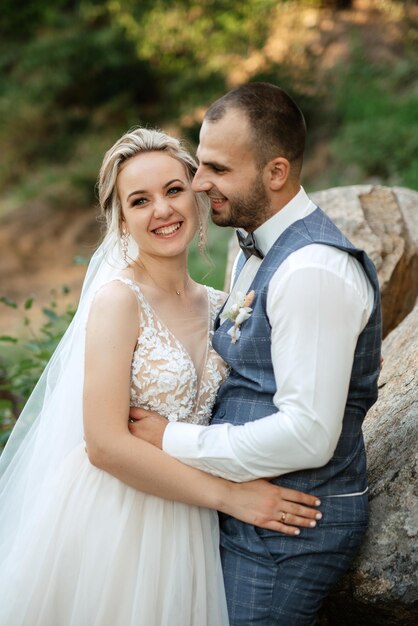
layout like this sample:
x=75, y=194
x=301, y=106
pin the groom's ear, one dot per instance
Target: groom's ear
x=277, y=173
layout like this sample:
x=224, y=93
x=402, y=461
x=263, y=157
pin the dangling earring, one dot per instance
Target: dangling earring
x=125, y=245
x=202, y=238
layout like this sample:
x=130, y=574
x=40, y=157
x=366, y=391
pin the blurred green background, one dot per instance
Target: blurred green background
x=76, y=74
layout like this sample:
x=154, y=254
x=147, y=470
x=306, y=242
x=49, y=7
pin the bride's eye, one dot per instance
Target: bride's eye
x=173, y=191
x=140, y=201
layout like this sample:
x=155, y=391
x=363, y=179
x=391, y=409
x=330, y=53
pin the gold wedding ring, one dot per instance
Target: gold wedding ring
x=283, y=518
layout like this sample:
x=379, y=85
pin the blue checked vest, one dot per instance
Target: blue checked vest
x=247, y=394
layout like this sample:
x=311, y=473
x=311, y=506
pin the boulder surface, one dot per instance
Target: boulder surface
x=382, y=585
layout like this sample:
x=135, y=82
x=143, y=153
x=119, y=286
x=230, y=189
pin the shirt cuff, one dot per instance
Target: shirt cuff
x=181, y=440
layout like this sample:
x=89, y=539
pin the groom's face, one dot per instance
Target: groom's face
x=229, y=174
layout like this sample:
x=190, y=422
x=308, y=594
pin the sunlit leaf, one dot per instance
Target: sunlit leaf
x=8, y=339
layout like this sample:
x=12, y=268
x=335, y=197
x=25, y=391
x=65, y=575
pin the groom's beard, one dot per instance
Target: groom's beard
x=249, y=211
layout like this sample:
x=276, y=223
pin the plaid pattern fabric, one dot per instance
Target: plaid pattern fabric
x=279, y=580
x=248, y=392
x=273, y=579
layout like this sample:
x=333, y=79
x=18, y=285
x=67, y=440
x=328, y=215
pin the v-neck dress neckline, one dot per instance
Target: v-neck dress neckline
x=164, y=377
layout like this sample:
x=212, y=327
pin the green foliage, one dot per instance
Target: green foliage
x=191, y=45
x=175, y=36
x=52, y=84
x=376, y=111
x=19, y=23
x=25, y=357
x=75, y=75
x=73, y=69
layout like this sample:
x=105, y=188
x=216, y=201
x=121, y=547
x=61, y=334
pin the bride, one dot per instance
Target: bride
x=98, y=528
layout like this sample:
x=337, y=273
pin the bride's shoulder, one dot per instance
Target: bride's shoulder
x=113, y=314
x=115, y=294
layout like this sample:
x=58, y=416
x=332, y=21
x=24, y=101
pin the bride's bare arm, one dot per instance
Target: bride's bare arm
x=111, y=337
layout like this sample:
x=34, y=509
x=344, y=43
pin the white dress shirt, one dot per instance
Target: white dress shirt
x=318, y=302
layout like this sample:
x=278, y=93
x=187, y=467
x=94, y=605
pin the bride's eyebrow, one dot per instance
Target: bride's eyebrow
x=175, y=180
x=134, y=193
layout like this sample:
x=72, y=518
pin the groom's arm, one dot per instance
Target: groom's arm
x=316, y=316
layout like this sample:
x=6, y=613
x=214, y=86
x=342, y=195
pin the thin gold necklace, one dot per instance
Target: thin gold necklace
x=177, y=291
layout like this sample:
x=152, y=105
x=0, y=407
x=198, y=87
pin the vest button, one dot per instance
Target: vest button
x=221, y=414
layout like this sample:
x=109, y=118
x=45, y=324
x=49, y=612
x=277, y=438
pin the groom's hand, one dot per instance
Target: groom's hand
x=147, y=425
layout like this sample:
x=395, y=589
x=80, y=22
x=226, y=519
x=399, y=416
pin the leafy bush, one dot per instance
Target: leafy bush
x=25, y=358
x=376, y=119
x=52, y=83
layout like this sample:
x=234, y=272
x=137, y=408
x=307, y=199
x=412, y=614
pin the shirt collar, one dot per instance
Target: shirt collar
x=299, y=207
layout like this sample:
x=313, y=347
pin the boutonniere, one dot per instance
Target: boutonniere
x=239, y=311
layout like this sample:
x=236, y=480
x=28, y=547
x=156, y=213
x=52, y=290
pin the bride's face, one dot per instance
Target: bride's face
x=158, y=204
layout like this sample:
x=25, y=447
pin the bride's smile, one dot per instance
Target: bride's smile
x=167, y=231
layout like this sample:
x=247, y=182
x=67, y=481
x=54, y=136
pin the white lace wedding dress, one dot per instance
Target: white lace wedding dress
x=104, y=554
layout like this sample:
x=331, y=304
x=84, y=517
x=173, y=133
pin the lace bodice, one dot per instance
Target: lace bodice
x=163, y=375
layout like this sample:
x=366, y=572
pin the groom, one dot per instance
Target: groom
x=304, y=364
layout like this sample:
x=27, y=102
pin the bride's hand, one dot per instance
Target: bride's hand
x=264, y=504
x=147, y=425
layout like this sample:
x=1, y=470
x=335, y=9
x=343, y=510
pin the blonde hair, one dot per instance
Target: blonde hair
x=132, y=143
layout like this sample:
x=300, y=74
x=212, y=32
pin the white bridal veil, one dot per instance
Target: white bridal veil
x=51, y=423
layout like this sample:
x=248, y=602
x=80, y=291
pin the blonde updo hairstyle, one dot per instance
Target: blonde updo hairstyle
x=132, y=143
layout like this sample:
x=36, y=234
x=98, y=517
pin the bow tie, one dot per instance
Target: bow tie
x=248, y=245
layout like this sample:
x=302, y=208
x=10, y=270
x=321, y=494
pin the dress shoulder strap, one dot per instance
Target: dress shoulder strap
x=145, y=310
x=216, y=300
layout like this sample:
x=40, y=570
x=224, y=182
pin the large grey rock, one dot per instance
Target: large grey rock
x=382, y=221
x=382, y=586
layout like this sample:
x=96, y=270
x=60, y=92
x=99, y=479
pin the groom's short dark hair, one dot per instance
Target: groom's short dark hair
x=277, y=124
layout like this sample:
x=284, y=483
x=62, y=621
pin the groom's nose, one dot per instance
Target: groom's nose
x=200, y=181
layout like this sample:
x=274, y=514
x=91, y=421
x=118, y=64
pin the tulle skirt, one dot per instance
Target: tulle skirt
x=104, y=554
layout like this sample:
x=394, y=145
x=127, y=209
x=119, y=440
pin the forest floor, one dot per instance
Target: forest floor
x=39, y=244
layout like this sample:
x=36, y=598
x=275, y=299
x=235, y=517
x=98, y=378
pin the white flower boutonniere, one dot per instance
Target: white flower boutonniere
x=239, y=312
